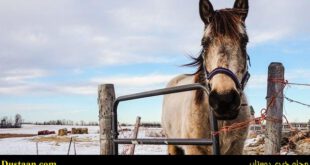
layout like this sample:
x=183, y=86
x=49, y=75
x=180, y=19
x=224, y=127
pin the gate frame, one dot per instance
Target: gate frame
x=214, y=125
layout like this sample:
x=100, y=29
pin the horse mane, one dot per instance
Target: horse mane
x=224, y=23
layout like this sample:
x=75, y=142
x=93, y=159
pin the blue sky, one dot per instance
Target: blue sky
x=54, y=53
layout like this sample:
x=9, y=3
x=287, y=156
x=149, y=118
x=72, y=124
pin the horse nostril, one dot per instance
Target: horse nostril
x=229, y=101
x=236, y=100
x=214, y=99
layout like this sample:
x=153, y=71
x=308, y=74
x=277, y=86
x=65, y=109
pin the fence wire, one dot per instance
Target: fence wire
x=263, y=117
x=297, y=102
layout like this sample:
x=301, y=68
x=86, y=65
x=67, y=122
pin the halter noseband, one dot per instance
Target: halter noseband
x=220, y=70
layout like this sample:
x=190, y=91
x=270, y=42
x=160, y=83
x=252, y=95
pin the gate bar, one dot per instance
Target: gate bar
x=165, y=91
x=165, y=141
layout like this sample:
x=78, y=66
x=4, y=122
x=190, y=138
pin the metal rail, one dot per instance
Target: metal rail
x=165, y=141
x=178, y=89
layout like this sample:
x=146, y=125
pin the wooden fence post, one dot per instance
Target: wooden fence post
x=69, y=146
x=275, y=111
x=106, y=97
x=135, y=135
x=37, y=146
x=74, y=146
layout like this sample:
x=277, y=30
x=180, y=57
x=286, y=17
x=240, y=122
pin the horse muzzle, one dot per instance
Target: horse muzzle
x=226, y=105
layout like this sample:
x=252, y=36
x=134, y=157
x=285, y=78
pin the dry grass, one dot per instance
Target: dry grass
x=252, y=136
x=59, y=139
x=2, y=136
x=307, y=140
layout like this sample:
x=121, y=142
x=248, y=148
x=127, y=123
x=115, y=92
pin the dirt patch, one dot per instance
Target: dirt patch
x=2, y=136
x=59, y=139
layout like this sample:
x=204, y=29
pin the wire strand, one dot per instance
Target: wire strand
x=297, y=102
x=298, y=84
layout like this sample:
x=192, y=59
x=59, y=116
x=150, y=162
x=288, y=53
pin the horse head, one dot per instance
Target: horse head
x=224, y=56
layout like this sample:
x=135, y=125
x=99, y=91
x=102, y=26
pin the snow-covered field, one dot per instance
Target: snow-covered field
x=87, y=144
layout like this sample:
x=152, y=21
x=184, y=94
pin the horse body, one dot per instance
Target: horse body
x=222, y=68
x=183, y=118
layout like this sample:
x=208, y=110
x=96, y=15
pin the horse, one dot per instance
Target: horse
x=223, y=70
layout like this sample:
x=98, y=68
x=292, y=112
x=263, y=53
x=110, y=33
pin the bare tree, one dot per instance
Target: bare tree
x=82, y=123
x=3, y=122
x=18, y=121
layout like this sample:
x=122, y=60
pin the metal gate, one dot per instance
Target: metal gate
x=214, y=126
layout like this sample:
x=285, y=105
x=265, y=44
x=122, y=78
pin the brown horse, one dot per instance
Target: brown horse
x=222, y=68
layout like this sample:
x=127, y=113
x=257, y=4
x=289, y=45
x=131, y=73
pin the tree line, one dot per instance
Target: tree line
x=11, y=123
x=145, y=124
x=66, y=122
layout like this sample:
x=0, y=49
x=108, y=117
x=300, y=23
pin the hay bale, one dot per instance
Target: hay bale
x=74, y=131
x=84, y=131
x=79, y=130
x=62, y=132
x=52, y=132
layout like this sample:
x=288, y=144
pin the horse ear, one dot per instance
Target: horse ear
x=242, y=5
x=206, y=11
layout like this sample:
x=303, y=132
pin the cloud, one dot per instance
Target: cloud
x=257, y=82
x=41, y=39
x=298, y=74
x=31, y=107
x=17, y=75
x=124, y=84
x=267, y=36
x=77, y=89
x=46, y=111
x=100, y=33
x=135, y=81
x=18, y=82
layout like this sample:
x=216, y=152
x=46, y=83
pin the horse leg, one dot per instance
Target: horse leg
x=174, y=150
x=233, y=142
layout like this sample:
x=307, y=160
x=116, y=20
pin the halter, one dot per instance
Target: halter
x=220, y=70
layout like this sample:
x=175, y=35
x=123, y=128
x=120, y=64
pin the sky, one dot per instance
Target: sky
x=55, y=53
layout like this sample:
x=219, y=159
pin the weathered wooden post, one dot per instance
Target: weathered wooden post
x=275, y=111
x=106, y=97
x=69, y=146
x=37, y=146
x=135, y=135
x=74, y=146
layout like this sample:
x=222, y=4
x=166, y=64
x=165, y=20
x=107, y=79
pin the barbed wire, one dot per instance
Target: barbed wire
x=263, y=117
x=298, y=84
x=297, y=102
x=126, y=146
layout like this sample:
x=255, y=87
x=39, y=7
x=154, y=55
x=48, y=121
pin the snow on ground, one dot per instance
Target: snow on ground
x=144, y=149
x=87, y=144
